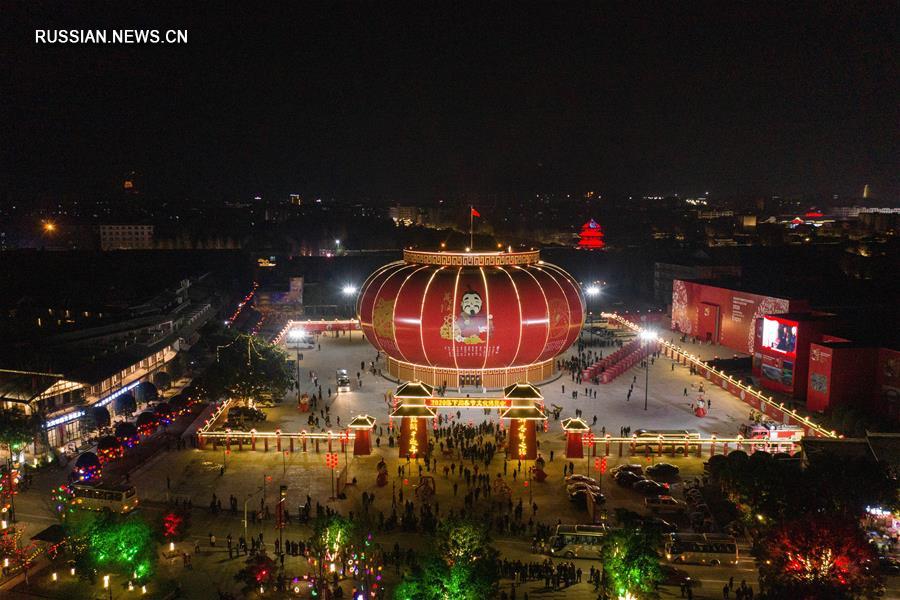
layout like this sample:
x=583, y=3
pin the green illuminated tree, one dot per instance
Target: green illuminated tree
x=16, y=428
x=462, y=567
x=460, y=540
x=104, y=543
x=631, y=562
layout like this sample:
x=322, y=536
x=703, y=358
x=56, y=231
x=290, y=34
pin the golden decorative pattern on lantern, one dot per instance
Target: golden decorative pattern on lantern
x=383, y=318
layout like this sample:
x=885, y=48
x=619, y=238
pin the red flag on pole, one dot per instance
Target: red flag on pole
x=475, y=213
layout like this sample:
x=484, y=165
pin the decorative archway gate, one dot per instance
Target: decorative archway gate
x=522, y=405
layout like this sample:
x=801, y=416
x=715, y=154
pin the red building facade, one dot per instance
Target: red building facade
x=724, y=316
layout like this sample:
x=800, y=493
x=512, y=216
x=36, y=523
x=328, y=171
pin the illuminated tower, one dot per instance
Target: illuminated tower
x=591, y=236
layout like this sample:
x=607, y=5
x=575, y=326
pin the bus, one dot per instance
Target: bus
x=343, y=381
x=114, y=498
x=577, y=541
x=649, y=439
x=702, y=549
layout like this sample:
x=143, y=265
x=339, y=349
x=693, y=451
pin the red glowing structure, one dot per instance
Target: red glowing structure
x=591, y=236
x=486, y=319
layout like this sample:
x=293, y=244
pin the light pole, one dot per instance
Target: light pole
x=592, y=291
x=349, y=290
x=295, y=335
x=249, y=496
x=648, y=337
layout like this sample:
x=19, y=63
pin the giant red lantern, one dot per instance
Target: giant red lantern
x=486, y=319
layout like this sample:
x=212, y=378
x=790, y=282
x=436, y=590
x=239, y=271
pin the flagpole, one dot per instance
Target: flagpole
x=471, y=220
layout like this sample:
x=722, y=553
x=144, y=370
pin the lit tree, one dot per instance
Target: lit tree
x=112, y=543
x=463, y=566
x=818, y=557
x=631, y=562
x=332, y=537
x=459, y=540
x=248, y=367
x=16, y=428
x=21, y=557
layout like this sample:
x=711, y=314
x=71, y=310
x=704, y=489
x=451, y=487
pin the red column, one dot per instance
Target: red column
x=362, y=444
x=518, y=427
x=406, y=435
x=574, y=449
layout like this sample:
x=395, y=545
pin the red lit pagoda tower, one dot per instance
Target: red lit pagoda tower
x=591, y=236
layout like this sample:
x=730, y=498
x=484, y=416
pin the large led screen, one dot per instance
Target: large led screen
x=780, y=336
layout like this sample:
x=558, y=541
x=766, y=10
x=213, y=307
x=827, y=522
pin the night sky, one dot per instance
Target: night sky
x=418, y=103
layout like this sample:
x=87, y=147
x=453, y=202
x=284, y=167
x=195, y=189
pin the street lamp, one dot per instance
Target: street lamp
x=296, y=335
x=647, y=336
x=249, y=497
x=592, y=291
x=349, y=290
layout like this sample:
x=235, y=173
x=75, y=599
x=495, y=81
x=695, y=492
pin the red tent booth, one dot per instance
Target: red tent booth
x=471, y=318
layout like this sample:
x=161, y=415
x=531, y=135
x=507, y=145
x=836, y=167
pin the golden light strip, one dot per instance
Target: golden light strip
x=487, y=308
x=422, y=315
x=568, y=279
x=453, y=322
x=568, y=307
x=394, y=312
x=546, y=309
x=519, y=305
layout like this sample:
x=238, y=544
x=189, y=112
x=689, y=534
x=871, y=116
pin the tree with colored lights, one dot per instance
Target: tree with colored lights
x=21, y=557
x=16, y=428
x=463, y=566
x=631, y=562
x=111, y=543
x=247, y=368
x=331, y=539
x=817, y=557
x=460, y=540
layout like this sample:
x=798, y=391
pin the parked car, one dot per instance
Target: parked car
x=648, y=487
x=582, y=484
x=661, y=525
x=627, y=478
x=889, y=565
x=663, y=471
x=632, y=468
x=582, y=494
x=665, y=504
x=584, y=478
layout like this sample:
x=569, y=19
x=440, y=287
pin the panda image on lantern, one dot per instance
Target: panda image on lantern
x=471, y=324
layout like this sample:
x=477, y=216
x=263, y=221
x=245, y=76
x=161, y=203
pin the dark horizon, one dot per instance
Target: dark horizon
x=429, y=102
